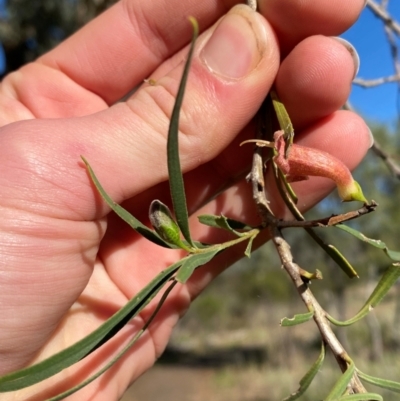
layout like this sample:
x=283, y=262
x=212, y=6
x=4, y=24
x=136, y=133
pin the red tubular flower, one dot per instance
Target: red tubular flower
x=303, y=162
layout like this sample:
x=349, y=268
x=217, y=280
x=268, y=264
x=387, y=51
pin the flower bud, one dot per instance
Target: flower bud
x=164, y=224
x=303, y=162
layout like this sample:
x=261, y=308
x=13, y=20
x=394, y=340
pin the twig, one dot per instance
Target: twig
x=393, y=167
x=381, y=13
x=331, y=220
x=393, y=48
x=370, y=83
x=384, y=4
x=294, y=271
x=328, y=336
x=252, y=4
x=256, y=175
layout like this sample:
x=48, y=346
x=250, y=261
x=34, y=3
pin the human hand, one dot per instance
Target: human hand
x=66, y=264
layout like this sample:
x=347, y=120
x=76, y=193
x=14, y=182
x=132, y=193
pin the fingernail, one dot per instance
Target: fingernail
x=233, y=49
x=371, y=138
x=353, y=52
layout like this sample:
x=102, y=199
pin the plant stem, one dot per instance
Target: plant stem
x=252, y=4
x=256, y=177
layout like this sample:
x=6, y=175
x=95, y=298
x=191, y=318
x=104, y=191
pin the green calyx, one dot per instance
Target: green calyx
x=354, y=193
x=165, y=225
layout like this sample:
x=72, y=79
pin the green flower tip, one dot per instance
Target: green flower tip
x=352, y=192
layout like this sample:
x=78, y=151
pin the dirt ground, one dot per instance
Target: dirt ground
x=172, y=383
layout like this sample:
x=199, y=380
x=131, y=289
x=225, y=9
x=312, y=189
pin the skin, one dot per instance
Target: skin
x=66, y=265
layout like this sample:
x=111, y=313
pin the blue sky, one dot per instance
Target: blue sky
x=378, y=104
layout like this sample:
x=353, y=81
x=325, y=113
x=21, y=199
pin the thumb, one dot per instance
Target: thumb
x=234, y=65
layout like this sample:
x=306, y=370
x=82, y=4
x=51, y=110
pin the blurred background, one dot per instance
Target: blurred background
x=230, y=346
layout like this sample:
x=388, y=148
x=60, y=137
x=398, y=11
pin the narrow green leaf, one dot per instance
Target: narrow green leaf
x=288, y=187
x=69, y=356
x=174, y=166
x=334, y=253
x=340, y=260
x=117, y=357
x=297, y=319
x=84, y=383
x=317, y=275
x=362, y=397
x=393, y=255
x=249, y=246
x=124, y=214
x=283, y=118
x=340, y=386
x=386, y=282
x=224, y=223
x=376, y=381
x=309, y=376
x=192, y=262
